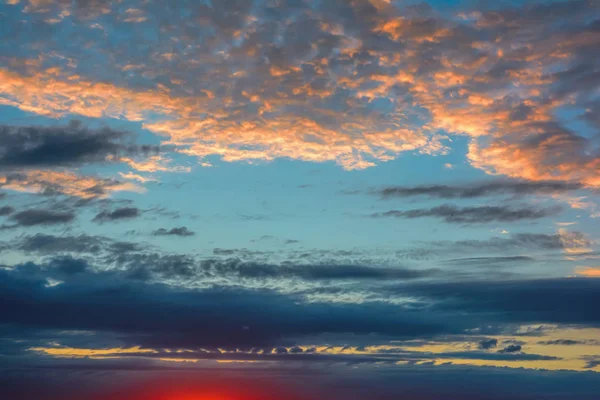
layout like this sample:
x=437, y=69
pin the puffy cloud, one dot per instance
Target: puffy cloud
x=71, y=145
x=352, y=82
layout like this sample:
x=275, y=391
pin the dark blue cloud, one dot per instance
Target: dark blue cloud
x=473, y=215
x=70, y=145
x=117, y=214
x=36, y=217
x=162, y=316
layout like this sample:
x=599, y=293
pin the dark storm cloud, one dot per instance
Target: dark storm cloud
x=36, y=217
x=473, y=215
x=70, y=145
x=469, y=191
x=181, y=231
x=117, y=214
x=6, y=210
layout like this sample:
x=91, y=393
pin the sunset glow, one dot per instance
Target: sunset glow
x=299, y=199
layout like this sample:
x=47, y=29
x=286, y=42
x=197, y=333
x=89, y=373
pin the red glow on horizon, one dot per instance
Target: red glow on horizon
x=203, y=388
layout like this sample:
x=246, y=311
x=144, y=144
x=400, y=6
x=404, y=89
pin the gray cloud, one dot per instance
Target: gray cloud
x=37, y=217
x=312, y=272
x=71, y=145
x=488, y=343
x=513, y=348
x=181, y=231
x=490, y=260
x=49, y=244
x=6, y=210
x=473, y=215
x=117, y=214
x=521, y=241
x=474, y=190
x=561, y=342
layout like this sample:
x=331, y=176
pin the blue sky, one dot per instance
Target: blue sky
x=243, y=187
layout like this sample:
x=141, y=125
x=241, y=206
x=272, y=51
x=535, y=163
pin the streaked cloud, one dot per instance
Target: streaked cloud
x=117, y=214
x=473, y=215
x=36, y=217
x=483, y=189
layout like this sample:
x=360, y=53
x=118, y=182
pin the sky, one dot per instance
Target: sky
x=299, y=199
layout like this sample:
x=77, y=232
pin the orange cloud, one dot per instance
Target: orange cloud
x=64, y=182
x=588, y=272
x=354, y=96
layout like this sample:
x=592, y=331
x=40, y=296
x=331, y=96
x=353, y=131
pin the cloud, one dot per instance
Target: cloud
x=68, y=265
x=568, y=241
x=37, y=217
x=356, y=83
x=488, y=344
x=81, y=9
x=48, y=182
x=181, y=231
x=483, y=189
x=513, y=348
x=589, y=272
x=317, y=272
x=162, y=316
x=70, y=145
x=6, y=210
x=82, y=244
x=470, y=215
x=117, y=214
x=490, y=260
x=562, y=300
x=561, y=342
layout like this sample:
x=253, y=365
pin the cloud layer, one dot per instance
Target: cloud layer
x=352, y=82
